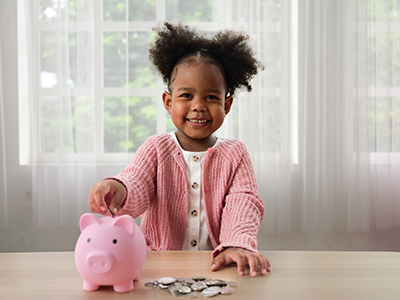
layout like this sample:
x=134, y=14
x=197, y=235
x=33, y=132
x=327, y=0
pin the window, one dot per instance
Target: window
x=95, y=90
x=380, y=21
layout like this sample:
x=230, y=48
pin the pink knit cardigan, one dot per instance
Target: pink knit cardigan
x=157, y=189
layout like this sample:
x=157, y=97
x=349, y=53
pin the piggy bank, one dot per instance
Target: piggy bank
x=109, y=251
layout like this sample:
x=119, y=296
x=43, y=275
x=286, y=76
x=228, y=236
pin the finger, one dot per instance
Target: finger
x=100, y=193
x=117, y=200
x=240, y=259
x=268, y=265
x=93, y=206
x=262, y=263
x=218, y=262
x=253, y=263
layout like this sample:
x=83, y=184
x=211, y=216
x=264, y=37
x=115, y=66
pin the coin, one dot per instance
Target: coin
x=199, y=278
x=167, y=280
x=226, y=291
x=184, y=289
x=211, y=291
x=198, y=286
x=149, y=284
x=188, y=281
x=232, y=284
x=193, y=295
x=215, y=282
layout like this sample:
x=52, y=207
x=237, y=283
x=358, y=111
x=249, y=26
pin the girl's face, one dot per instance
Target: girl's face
x=197, y=104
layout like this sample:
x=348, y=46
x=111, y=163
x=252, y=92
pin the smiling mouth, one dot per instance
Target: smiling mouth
x=198, y=121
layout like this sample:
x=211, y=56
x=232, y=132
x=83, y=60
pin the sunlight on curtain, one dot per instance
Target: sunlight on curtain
x=63, y=164
x=345, y=127
x=261, y=119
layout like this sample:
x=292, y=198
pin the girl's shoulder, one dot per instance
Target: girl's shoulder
x=161, y=142
x=227, y=144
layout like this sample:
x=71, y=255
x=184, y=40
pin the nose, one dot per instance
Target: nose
x=99, y=262
x=198, y=104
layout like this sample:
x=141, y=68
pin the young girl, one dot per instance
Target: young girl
x=194, y=191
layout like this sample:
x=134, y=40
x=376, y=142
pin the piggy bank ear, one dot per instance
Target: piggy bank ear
x=125, y=222
x=88, y=219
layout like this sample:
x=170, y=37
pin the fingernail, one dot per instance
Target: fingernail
x=263, y=271
x=241, y=273
x=103, y=208
x=254, y=274
x=212, y=267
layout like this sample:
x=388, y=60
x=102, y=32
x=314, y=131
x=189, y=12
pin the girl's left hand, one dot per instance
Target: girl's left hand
x=242, y=257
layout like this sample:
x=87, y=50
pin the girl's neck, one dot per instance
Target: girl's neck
x=196, y=145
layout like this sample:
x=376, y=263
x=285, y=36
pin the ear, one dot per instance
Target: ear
x=88, y=219
x=228, y=104
x=125, y=222
x=167, y=99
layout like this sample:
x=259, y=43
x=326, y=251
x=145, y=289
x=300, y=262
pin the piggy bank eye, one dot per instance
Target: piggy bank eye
x=88, y=240
x=114, y=241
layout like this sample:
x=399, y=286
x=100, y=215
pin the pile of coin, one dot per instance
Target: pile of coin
x=192, y=287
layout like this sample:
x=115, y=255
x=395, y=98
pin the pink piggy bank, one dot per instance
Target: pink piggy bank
x=109, y=251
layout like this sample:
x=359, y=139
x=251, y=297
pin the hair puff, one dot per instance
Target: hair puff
x=229, y=48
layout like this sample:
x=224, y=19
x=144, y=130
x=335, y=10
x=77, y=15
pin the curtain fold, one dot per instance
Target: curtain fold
x=4, y=15
x=63, y=176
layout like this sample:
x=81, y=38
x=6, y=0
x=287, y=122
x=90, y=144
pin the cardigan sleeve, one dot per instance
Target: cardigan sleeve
x=243, y=211
x=139, y=179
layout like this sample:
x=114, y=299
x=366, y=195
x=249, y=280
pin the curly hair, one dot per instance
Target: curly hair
x=228, y=49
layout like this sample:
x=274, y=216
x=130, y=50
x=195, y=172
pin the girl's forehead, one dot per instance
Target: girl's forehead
x=198, y=71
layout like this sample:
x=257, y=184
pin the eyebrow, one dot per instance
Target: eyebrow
x=183, y=88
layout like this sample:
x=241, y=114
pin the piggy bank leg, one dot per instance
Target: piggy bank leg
x=89, y=287
x=137, y=278
x=122, y=288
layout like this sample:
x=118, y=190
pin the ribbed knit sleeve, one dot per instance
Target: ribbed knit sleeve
x=139, y=179
x=242, y=210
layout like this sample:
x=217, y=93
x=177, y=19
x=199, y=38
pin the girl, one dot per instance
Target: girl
x=194, y=191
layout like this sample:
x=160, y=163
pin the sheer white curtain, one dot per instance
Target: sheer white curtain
x=4, y=15
x=321, y=125
x=63, y=158
x=347, y=124
x=349, y=135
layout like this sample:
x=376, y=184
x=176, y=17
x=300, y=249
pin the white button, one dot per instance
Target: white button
x=195, y=185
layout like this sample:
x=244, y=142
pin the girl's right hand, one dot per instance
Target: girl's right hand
x=106, y=193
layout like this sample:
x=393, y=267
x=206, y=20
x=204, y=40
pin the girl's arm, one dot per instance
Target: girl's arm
x=241, y=219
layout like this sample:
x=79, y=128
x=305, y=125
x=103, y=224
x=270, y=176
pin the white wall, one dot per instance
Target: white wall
x=21, y=235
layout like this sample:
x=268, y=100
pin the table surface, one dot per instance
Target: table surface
x=295, y=275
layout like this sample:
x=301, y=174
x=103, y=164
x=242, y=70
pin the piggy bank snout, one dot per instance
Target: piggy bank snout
x=99, y=261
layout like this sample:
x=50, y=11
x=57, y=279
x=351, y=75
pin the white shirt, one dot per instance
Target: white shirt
x=196, y=234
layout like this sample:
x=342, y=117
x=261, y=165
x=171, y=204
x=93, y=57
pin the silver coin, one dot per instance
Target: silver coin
x=216, y=282
x=178, y=283
x=188, y=281
x=211, y=291
x=163, y=286
x=226, y=291
x=199, y=278
x=184, y=289
x=232, y=284
x=167, y=280
x=199, y=286
x=149, y=284
x=193, y=295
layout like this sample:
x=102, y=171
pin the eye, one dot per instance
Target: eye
x=114, y=241
x=212, y=97
x=88, y=240
x=186, y=96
